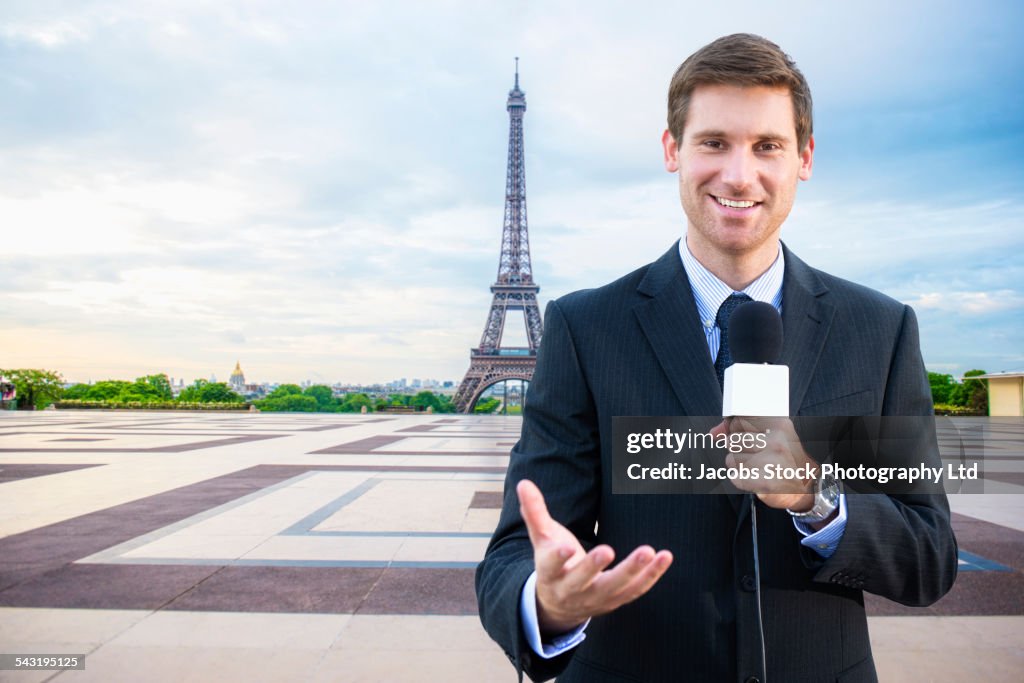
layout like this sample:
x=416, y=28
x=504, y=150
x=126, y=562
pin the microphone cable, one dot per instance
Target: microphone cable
x=757, y=587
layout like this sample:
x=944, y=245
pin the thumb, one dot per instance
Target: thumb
x=534, y=511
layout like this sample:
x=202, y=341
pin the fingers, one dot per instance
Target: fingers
x=645, y=579
x=555, y=549
x=632, y=577
x=579, y=575
x=534, y=511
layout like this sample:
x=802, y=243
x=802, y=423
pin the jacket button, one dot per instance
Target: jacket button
x=752, y=679
x=748, y=583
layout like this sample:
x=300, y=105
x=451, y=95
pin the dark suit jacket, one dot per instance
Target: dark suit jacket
x=636, y=347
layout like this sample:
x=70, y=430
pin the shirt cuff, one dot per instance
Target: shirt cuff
x=825, y=540
x=531, y=626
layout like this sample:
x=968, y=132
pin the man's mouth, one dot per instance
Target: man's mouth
x=735, y=203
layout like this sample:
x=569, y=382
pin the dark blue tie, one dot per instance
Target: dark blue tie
x=724, y=358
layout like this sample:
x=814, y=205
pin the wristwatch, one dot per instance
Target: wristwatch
x=826, y=499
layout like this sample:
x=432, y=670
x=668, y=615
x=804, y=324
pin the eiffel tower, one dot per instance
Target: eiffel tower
x=514, y=290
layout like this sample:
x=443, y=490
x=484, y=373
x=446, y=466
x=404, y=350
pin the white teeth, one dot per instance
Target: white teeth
x=734, y=204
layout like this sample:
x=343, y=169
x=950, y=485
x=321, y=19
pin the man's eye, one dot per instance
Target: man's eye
x=769, y=146
x=715, y=144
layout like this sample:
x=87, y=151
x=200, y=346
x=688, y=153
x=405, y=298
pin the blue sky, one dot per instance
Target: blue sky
x=316, y=190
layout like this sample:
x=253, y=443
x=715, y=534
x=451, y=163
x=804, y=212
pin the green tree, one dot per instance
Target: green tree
x=290, y=403
x=159, y=386
x=76, y=392
x=445, y=404
x=942, y=387
x=428, y=399
x=35, y=389
x=285, y=390
x=203, y=391
x=323, y=396
x=219, y=392
x=191, y=393
x=354, y=403
x=424, y=400
x=107, y=390
x=971, y=393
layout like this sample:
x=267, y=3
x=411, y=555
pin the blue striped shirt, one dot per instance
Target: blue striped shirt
x=709, y=292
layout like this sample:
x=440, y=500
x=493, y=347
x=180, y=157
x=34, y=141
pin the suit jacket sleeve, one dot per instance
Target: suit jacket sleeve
x=558, y=451
x=900, y=547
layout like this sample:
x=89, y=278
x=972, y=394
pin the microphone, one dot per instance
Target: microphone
x=753, y=386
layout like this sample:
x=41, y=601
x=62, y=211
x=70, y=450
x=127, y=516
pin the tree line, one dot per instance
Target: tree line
x=37, y=389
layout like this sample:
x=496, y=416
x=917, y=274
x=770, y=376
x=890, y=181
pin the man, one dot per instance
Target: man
x=683, y=604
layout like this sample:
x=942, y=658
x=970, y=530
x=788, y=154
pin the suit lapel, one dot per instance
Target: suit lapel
x=806, y=321
x=670, y=322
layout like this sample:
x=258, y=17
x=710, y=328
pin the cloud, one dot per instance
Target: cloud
x=969, y=303
x=48, y=35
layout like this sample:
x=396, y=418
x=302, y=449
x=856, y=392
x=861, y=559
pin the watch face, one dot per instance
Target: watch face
x=829, y=489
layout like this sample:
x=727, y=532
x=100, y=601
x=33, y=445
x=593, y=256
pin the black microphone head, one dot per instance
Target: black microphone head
x=755, y=333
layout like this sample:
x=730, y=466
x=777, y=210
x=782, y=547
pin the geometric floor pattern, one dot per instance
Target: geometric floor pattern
x=340, y=547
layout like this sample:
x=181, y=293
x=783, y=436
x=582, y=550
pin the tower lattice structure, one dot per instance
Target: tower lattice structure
x=514, y=289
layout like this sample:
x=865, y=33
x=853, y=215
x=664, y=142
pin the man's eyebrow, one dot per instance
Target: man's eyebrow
x=708, y=133
x=716, y=133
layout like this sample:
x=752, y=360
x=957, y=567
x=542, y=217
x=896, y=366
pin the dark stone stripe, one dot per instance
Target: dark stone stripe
x=361, y=446
x=13, y=471
x=79, y=438
x=107, y=586
x=322, y=590
x=1016, y=478
x=324, y=428
x=422, y=591
x=176, y=448
x=487, y=500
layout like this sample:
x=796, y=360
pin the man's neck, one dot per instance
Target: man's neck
x=739, y=269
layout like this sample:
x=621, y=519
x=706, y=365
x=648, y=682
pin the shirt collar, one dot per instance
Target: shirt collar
x=709, y=292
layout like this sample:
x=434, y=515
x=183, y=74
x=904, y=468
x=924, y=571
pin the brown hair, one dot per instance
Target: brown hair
x=745, y=60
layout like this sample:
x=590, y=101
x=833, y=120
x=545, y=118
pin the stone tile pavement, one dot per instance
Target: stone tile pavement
x=266, y=547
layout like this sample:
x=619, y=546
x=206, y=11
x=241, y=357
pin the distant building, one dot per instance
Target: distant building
x=237, y=380
x=1005, y=393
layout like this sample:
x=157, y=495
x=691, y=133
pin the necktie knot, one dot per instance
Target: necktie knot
x=724, y=358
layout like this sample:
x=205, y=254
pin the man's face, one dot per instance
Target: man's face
x=738, y=166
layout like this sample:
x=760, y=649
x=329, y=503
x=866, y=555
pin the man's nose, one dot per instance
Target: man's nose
x=739, y=170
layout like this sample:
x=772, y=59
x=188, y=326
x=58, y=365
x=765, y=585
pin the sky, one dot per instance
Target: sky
x=315, y=189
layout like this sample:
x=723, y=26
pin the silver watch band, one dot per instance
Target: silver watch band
x=826, y=499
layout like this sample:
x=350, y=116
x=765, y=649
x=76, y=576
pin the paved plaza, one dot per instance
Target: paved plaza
x=216, y=546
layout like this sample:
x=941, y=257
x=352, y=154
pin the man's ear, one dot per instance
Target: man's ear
x=807, y=160
x=671, y=149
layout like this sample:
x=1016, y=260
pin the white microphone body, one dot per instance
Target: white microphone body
x=755, y=390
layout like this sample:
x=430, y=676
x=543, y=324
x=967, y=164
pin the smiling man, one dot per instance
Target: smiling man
x=684, y=604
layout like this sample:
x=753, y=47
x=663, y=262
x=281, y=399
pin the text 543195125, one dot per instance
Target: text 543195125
x=41, y=662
